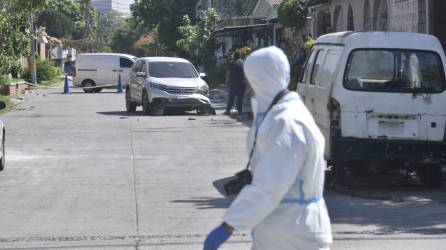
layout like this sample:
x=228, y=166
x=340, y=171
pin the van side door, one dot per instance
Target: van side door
x=323, y=77
x=311, y=90
x=302, y=84
x=107, y=65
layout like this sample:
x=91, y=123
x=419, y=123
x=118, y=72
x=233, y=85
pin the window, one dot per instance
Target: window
x=136, y=66
x=328, y=69
x=172, y=70
x=308, y=67
x=317, y=64
x=143, y=67
x=125, y=63
x=401, y=71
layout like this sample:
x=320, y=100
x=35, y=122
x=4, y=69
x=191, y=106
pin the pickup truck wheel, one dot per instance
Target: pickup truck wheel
x=146, y=106
x=130, y=106
x=88, y=84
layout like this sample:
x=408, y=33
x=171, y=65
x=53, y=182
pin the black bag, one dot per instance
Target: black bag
x=235, y=184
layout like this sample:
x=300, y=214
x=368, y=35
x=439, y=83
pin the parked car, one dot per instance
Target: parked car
x=379, y=98
x=2, y=139
x=95, y=71
x=157, y=83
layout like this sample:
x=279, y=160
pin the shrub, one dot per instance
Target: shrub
x=292, y=13
x=45, y=71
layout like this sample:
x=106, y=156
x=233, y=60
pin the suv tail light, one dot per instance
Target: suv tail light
x=335, y=113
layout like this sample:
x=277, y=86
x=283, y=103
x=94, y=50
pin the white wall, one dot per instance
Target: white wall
x=402, y=15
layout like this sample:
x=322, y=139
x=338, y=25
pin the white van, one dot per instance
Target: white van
x=379, y=98
x=101, y=69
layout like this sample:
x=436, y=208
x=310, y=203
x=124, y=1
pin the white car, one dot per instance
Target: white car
x=2, y=139
x=94, y=71
x=379, y=98
x=157, y=83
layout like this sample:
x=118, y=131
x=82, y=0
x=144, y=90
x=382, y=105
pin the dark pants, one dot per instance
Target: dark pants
x=236, y=90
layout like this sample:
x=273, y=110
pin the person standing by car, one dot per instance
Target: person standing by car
x=283, y=206
x=235, y=78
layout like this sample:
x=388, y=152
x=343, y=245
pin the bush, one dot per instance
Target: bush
x=216, y=74
x=45, y=71
x=292, y=13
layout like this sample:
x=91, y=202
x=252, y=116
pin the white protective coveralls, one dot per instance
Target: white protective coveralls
x=283, y=206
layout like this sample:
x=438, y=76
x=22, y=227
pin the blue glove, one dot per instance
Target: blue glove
x=216, y=238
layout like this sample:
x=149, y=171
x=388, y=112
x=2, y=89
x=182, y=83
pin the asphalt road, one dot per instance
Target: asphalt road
x=83, y=174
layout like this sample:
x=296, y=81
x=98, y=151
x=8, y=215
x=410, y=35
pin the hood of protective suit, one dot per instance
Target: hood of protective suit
x=268, y=73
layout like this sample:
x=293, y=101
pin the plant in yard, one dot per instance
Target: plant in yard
x=292, y=13
x=196, y=38
x=46, y=71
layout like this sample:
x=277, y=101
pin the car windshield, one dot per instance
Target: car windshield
x=172, y=70
x=395, y=71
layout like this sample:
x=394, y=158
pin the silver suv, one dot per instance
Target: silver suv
x=157, y=83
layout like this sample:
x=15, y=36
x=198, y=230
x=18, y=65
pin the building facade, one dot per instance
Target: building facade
x=107, y=6
x=422, y=16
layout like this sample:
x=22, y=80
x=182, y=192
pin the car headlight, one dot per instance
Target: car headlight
x=203, y=90
x=157, y=86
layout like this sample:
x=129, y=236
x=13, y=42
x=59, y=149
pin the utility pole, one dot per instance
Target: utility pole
x=32, y=58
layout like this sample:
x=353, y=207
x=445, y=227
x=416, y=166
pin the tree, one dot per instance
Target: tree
x=196, y=38
x=57, y=24
x=16, y=32
x=164, y=16
x=292, y=13
x=230, y=8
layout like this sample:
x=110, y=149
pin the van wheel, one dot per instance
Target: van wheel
x=430, y=175
x=88, y=84
x=146, y=106
x=130, y=106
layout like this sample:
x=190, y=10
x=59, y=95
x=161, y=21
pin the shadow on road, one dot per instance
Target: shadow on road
x=207, y=203
x=120, y=113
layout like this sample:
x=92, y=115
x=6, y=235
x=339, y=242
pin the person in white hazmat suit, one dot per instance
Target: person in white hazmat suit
x=283, y=206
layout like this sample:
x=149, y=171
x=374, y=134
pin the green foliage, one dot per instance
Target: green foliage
x=236, y=7
x=292, y=13
x=216, y=74
x=45, y=71
x=57, y=24
x=196, y=37
x=164, y=16
x=14, y=40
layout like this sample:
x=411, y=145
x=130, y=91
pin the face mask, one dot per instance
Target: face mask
x=254, y=105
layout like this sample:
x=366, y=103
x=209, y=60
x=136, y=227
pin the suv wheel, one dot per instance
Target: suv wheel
x=130, y=106
x=146, y=106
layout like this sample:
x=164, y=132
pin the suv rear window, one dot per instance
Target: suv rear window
x=401, y=71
